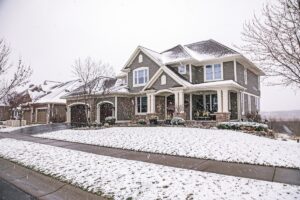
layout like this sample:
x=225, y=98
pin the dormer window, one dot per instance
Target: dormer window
x=140, y=76
x=182, y=69
x=213, y=72
x=140, y=58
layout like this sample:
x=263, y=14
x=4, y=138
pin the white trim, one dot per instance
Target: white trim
x=182, y=67
x=140, y=58
x=98, y=110
x=190, y=73
x=234, y=68
x=249, y=103
x=191, y=106
x=133, y=75
x=251, y=94
x=245, y=76
x=135, y=53
x=243, y=102
x=116, y=108
x=163, y=80
x=213, y=72
x=136, y=104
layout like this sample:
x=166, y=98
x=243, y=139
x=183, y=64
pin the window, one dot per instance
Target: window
x=141, y=104
x=163, y=80
x=213, y=72
x=182, y=69
x=245, y=76
x=140, y=58
x=140, y=76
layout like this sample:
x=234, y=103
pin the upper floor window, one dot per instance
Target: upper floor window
x=182, y=69
x=245, y=76
x=140, y=76
x=213, y=72
x=163, y=80
x=141, y=103
x=140, y=58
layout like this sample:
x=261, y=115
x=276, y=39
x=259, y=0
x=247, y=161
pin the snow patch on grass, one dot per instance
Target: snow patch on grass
x=121, y=179
x=222, y=145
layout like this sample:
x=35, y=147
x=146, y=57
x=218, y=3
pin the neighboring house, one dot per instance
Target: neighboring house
x=4, y=111
x=46, y=105
x=187, y=80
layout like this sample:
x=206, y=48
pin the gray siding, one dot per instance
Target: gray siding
x=198, y=74
x=187, y=75
x=228, y=70
x=147, y=62
x=252, y=80
x=169, y=83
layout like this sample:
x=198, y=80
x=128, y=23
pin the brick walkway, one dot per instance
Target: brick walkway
x=274, y=174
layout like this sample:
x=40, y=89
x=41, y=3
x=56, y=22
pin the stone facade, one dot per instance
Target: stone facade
x=222, y=117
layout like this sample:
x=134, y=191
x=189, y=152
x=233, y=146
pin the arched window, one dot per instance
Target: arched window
x=140, y=58
x=163, y=80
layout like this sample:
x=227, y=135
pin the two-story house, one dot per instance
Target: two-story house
x=187, y=80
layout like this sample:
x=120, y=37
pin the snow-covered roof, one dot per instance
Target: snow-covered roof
x=103, y=86
x=199, y=51
x=54, y=93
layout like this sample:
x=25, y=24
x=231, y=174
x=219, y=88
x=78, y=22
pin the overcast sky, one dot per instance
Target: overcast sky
x=50, y=34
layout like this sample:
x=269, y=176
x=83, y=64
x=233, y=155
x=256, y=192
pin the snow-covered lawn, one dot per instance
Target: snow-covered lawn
x=121, y=179
x=5, y=128
x=223, y=145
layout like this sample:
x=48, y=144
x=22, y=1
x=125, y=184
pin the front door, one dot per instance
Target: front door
x=170, y=106
x=106, y=110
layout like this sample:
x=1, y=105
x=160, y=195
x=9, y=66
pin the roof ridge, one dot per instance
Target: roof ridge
x=170, y=48
x=223, y=45
x=148, y=49
x=197, y=42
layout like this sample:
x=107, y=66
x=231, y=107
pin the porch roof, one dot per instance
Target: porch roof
x=215, y=85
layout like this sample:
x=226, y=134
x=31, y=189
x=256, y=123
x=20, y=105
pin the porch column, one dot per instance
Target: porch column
x=68, y=114
x=98, y=113
x=31, y=114
x=181, y=101
x=148, y=103
x=225, y=100
x=176, y=95
x=191, y=106
x=116, y=108
x=219, y=98
x=239, y=105
x=152, y=103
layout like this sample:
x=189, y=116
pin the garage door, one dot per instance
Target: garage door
x=42, y=116
x=27, y=116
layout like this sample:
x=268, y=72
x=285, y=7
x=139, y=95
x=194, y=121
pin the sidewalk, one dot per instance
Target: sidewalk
x=273, y=174
x=40, y=186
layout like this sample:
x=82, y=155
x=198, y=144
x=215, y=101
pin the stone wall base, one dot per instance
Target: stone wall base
x=223, y=117
x=182, y=115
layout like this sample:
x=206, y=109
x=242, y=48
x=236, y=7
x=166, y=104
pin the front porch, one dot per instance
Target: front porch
x=198, y=105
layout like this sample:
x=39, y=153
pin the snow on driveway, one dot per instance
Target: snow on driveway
x=121, y=179
x=222, y=145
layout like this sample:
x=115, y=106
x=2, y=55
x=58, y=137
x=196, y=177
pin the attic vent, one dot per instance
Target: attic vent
x=163, y=80
x=140, y=58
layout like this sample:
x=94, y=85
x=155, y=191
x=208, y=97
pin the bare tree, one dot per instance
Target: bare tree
x=96, y=77
x=273, y=41
x=19, y=77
